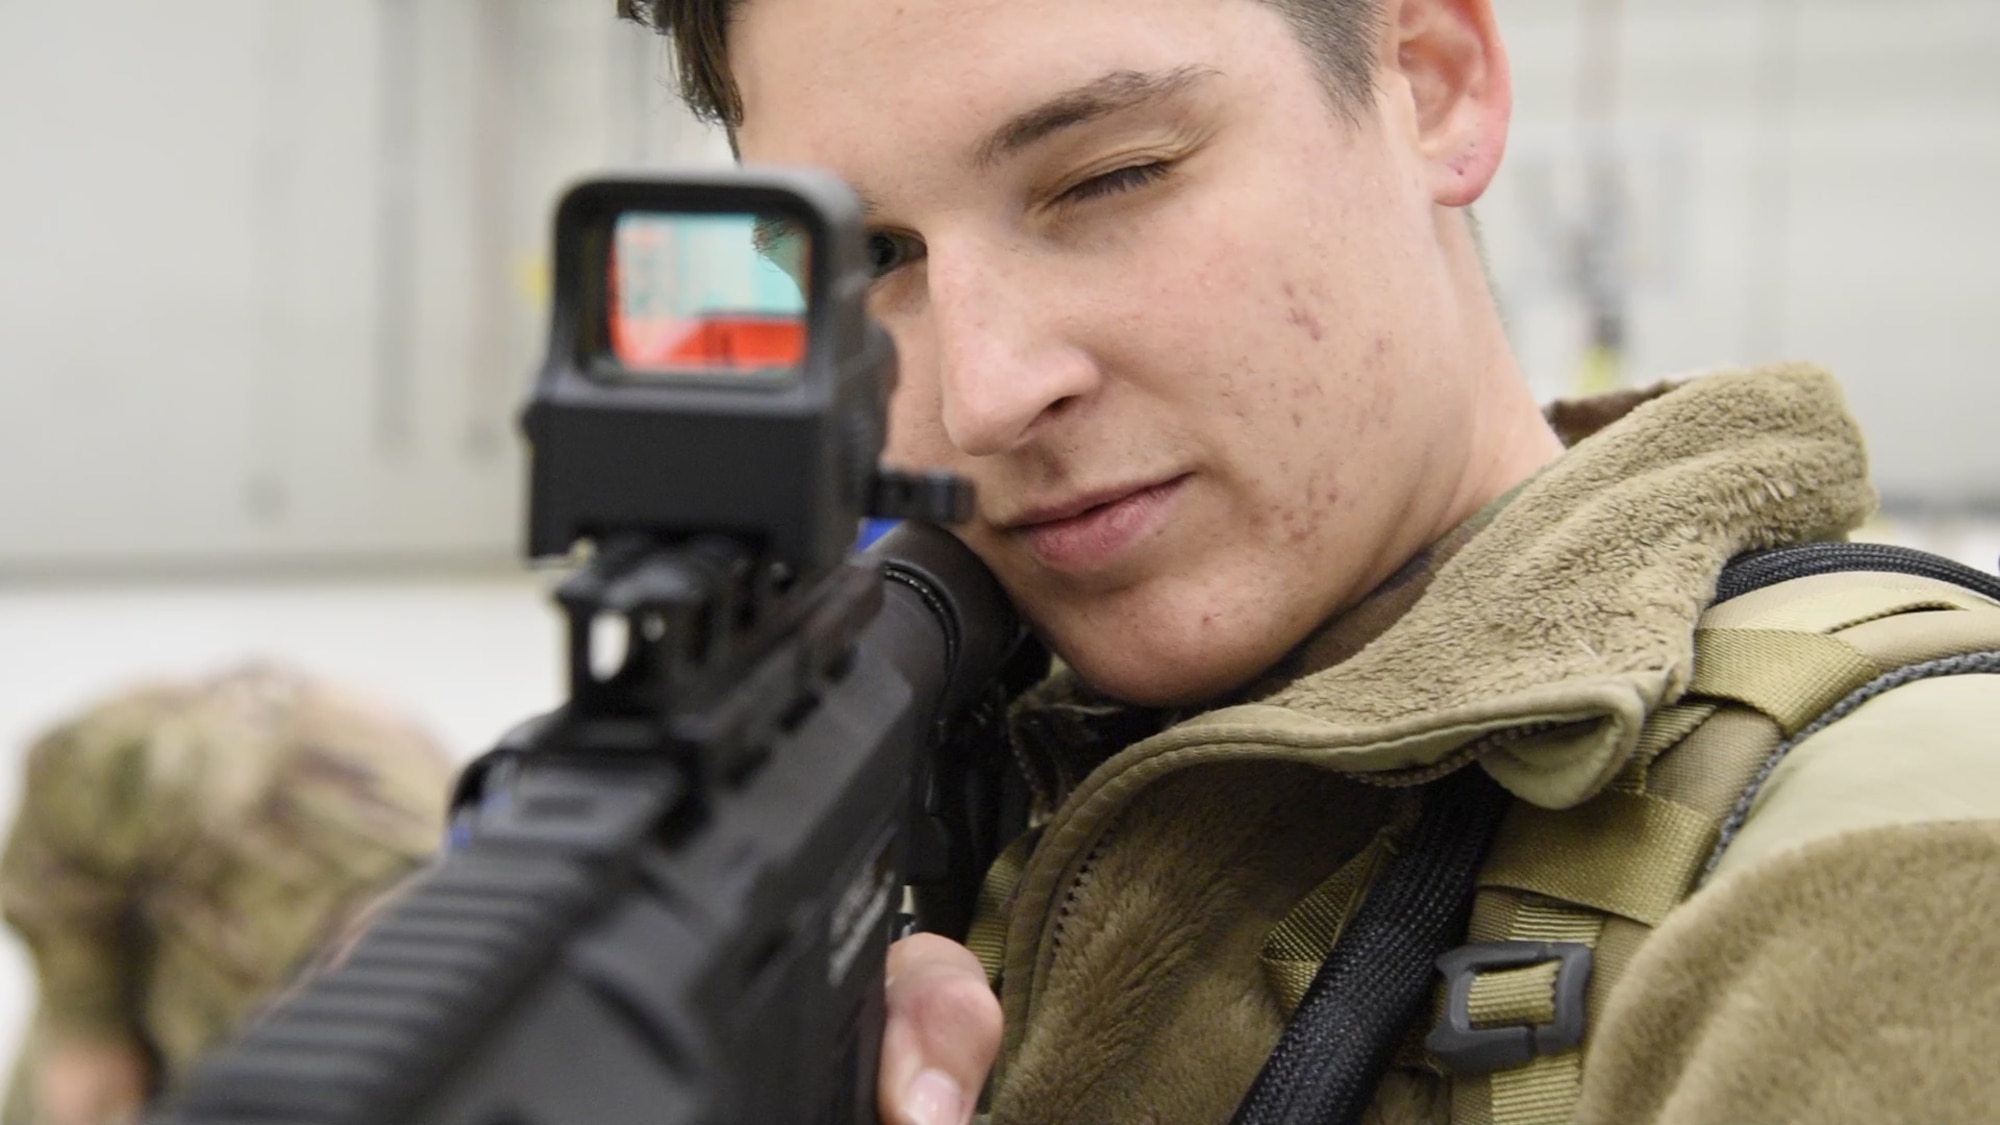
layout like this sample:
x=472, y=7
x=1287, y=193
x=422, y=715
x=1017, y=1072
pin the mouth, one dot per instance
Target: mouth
x=1090, y=532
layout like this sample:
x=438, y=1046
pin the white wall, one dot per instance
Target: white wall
x=1812, y=179
x=270, y=270
x=271, y=286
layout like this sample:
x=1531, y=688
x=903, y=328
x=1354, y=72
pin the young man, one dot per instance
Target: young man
x=1186, y=288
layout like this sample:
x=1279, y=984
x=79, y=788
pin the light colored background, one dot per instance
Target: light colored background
x=271, y=285
x=1809, y=179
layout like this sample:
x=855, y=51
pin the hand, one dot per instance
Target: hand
x=91, y=1082
x=942, y=1036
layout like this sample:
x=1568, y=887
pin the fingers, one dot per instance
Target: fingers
x=942, y=1035
x=92, y=1082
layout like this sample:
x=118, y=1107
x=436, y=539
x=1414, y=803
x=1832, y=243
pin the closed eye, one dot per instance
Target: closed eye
x=1128, y=178
x=889, y=251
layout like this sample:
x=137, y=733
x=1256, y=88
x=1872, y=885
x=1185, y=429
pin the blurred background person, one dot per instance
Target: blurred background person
x=180, y=851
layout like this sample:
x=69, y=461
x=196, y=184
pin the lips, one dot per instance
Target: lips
x=1094, y=531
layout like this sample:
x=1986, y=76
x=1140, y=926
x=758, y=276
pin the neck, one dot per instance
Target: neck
x=1508, y=439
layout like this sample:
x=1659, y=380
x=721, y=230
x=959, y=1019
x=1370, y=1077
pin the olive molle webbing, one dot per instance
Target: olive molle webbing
x=1344, y=1034
x=1566, y=897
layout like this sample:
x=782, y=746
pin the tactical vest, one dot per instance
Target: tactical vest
x=1796, y=641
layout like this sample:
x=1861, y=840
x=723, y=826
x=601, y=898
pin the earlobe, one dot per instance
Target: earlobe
x=1455, y=66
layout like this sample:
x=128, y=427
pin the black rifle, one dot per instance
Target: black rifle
x=669, y=901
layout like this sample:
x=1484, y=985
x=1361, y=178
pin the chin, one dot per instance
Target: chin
x=1150, y=650
x=1155, y=681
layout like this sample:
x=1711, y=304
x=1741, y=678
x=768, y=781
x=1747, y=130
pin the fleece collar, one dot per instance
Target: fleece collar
x=1542, y=645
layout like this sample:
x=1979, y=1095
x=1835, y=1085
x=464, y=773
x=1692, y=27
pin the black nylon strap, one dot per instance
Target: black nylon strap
x=1378, y=976
x=1759, y=569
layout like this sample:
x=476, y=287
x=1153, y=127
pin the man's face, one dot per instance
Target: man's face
x=1186, y=327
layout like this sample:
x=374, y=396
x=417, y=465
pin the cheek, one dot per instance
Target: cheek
x=916, y=427
x=1313, y=427
x=911, y=440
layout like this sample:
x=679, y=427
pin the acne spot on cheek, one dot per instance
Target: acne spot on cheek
x=1300, y=312
x=1301, y=521
x=1243, y=406
x=1298, y=420
x=1302, y=319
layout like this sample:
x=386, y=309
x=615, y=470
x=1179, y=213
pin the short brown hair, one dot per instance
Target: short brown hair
x=1339, y=34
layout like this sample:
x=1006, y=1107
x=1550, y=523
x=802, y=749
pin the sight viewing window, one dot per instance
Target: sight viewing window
x=705, y=295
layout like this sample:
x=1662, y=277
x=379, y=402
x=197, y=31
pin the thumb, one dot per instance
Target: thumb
x=942, y=1035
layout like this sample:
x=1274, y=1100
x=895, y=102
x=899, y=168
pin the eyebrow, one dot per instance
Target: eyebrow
x=1112, y=92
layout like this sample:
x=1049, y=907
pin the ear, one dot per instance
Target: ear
x=1454, y=68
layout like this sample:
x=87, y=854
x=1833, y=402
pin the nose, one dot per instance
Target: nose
x=1006, y=354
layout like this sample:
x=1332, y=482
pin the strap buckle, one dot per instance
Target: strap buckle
x=1466, y=1050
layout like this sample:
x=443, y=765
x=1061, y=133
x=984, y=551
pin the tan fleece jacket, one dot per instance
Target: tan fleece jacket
x=1132, y=986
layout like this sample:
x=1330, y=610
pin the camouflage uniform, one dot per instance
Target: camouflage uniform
x=180, y=850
